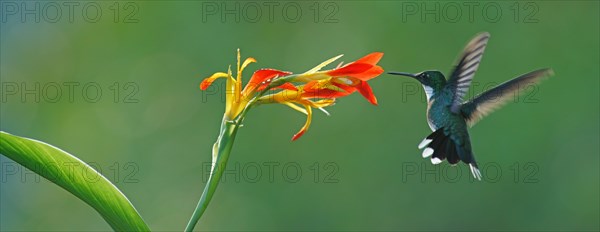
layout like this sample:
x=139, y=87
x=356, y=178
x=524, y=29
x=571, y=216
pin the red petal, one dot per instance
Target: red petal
x=371, y=59
x=350, y=69
x=288, y=86
x=369, y=74
x=264, y=74
x=298, y=135
x=206, y=83
x=367, y=92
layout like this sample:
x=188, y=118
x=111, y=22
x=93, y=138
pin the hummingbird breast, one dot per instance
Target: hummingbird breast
x=439, y=115
x=430, y=121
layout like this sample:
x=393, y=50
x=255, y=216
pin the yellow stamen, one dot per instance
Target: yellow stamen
x=238, y=86
x=229, y=92
x=296, y=107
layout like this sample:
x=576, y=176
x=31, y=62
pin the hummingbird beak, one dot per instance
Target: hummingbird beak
x=403, y=74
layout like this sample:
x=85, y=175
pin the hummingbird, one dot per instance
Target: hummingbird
x=449, y=117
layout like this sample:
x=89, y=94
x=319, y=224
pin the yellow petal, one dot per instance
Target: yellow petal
x=322, y=103
x=296, y=107
x=246, y=63
x=209, y=80
x=306, y=125
x=321, y=65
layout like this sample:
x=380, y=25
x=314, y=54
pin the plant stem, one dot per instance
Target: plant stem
x=220, y=153
x=221, y=150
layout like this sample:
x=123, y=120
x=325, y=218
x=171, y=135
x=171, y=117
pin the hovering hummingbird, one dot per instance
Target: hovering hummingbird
x=448, y=116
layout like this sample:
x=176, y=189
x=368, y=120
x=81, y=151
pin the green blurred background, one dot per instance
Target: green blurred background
x=360, y=167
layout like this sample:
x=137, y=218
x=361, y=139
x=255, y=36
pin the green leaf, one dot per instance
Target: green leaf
x=85, y=183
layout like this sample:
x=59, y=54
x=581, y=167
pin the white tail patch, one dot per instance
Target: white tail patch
x=424, y=143
x=427, y=152
x=475, y=171
x=436, y=161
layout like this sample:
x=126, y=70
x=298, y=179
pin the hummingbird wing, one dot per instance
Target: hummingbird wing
x=463, y=73
x=492, y=99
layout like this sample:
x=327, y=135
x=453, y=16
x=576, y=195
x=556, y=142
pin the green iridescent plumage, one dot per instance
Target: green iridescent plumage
x=449, y=116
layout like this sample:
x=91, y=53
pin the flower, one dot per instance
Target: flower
x=323, y=87
x=236, y=98
x=314, y=89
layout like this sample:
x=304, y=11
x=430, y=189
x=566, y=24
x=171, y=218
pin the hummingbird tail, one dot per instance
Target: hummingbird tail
x=440, y=146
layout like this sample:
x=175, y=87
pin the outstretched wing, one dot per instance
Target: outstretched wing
x=490, y=100
x=463, y=73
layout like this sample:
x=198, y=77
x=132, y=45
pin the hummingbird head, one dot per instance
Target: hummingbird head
x=432, y=81
x=432, y=78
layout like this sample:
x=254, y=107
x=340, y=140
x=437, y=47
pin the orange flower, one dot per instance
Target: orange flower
x=343, y=80
x=236, y=98
x=323, y=87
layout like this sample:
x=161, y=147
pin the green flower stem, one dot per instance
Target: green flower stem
x=221, y=150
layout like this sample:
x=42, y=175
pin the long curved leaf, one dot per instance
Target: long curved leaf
x=88, y=185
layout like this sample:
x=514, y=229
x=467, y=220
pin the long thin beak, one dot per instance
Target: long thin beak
x=403, y=74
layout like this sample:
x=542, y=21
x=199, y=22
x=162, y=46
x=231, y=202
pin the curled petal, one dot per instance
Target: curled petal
x=208, y=81
x=367, y=92
x=247, y=62
x=306, y=125
x=371, y=59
